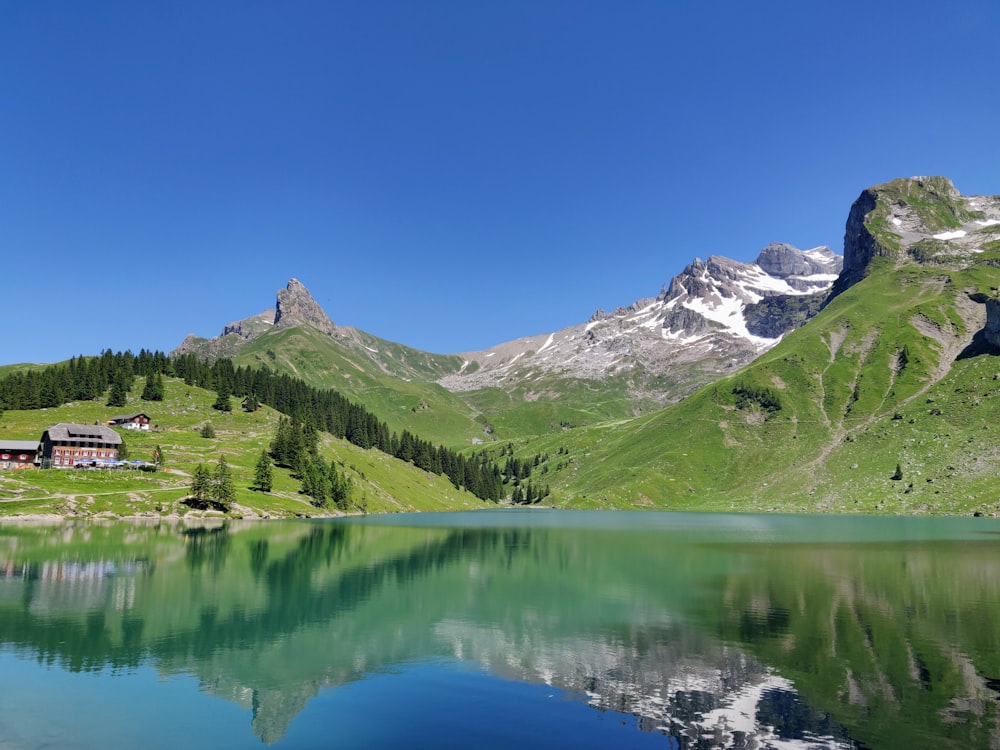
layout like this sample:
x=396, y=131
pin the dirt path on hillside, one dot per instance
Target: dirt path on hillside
x=72, y=497
x=951, y=342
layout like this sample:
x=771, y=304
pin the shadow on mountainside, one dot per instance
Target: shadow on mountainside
x=978, y=347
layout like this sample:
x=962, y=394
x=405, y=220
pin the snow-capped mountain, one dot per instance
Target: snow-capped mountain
x=715, y=316
x=701, y=693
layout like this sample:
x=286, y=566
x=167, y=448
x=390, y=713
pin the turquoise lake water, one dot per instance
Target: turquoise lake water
x=508, y=628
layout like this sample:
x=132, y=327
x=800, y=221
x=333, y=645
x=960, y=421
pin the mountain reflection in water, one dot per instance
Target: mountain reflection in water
x=697, y=631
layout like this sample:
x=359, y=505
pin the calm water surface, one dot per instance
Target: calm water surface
x=525, y=629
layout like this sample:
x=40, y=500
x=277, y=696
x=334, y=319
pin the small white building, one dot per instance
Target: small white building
x=130, y=421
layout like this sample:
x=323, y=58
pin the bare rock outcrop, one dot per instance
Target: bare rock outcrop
x=296, y=306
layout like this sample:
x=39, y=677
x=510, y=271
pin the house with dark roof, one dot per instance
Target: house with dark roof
x=16, y=454
x=64, y=444
x=130, y=421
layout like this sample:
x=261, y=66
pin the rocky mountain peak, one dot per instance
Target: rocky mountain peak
x=915, y=219
x=296, y=306
x=717, y=314
x=783, y=261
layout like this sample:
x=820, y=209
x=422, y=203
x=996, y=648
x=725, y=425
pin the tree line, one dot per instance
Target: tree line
x=328, y=411
x=86, y=378
x=518, y=471
x=114, y=374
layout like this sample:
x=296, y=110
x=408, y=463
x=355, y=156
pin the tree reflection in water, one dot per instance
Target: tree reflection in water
x=712, y=642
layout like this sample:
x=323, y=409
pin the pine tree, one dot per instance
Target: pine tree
x=50, y=391
x=314, y=475
x=340, y=487
x=223, y=493
x=222, y=402
x=153, y=389
x=263, y=476
x=118, y=395
x=200, y=482
x=207, y=431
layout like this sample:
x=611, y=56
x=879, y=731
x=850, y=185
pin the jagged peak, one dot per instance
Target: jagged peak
x=296, y=306
x=782, y=260
x=913, y=220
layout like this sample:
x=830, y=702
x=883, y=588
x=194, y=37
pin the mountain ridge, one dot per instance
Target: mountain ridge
x=886, y=400
x=694, y=327
x=698, y=318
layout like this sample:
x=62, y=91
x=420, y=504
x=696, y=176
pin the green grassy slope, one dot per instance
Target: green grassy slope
x=381, y=483
x=398, y=384
x=881, y=378
x=885, y=402
x=550, y=403
x=399, y=394
x=874, y=381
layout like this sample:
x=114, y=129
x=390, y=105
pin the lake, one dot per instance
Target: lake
x=503, y=629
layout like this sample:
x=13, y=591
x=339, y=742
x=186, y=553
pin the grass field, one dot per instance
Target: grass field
x=381, y=483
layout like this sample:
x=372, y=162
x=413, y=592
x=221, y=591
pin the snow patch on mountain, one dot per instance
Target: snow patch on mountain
x=699, y=320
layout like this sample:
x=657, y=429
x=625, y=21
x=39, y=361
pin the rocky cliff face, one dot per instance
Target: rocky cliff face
x=915, y=219
x=799, y=269
x=860, y=245
x=294, y=306
x=693, y=331
x=250, y=327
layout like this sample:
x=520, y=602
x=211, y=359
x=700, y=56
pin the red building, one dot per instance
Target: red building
x=15, y=454
x=64, y=444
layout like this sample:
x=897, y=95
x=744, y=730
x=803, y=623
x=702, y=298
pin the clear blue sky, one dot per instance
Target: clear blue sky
x=449, y=175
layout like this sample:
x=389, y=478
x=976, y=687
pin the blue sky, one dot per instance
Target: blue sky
x=449, y=175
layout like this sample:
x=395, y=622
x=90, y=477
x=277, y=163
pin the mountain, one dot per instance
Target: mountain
x=924, y=219
x=885, y=401
x=394, y=381
x=296, y=309
x=714, y=317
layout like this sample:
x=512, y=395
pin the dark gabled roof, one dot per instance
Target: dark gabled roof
x=128, y=417
x=96, y=433
x=18, y=445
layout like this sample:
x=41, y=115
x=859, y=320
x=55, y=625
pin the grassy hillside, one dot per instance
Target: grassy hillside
x=381, y=483
x=398, y=385
x=878, y=379
x=401, y=395
x=886, y=401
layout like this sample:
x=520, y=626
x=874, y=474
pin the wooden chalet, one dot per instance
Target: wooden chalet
x=64, y=444
x=130, y=421
x=16, y=454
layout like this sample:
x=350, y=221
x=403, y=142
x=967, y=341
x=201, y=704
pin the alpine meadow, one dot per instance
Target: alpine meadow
x=804, y=382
